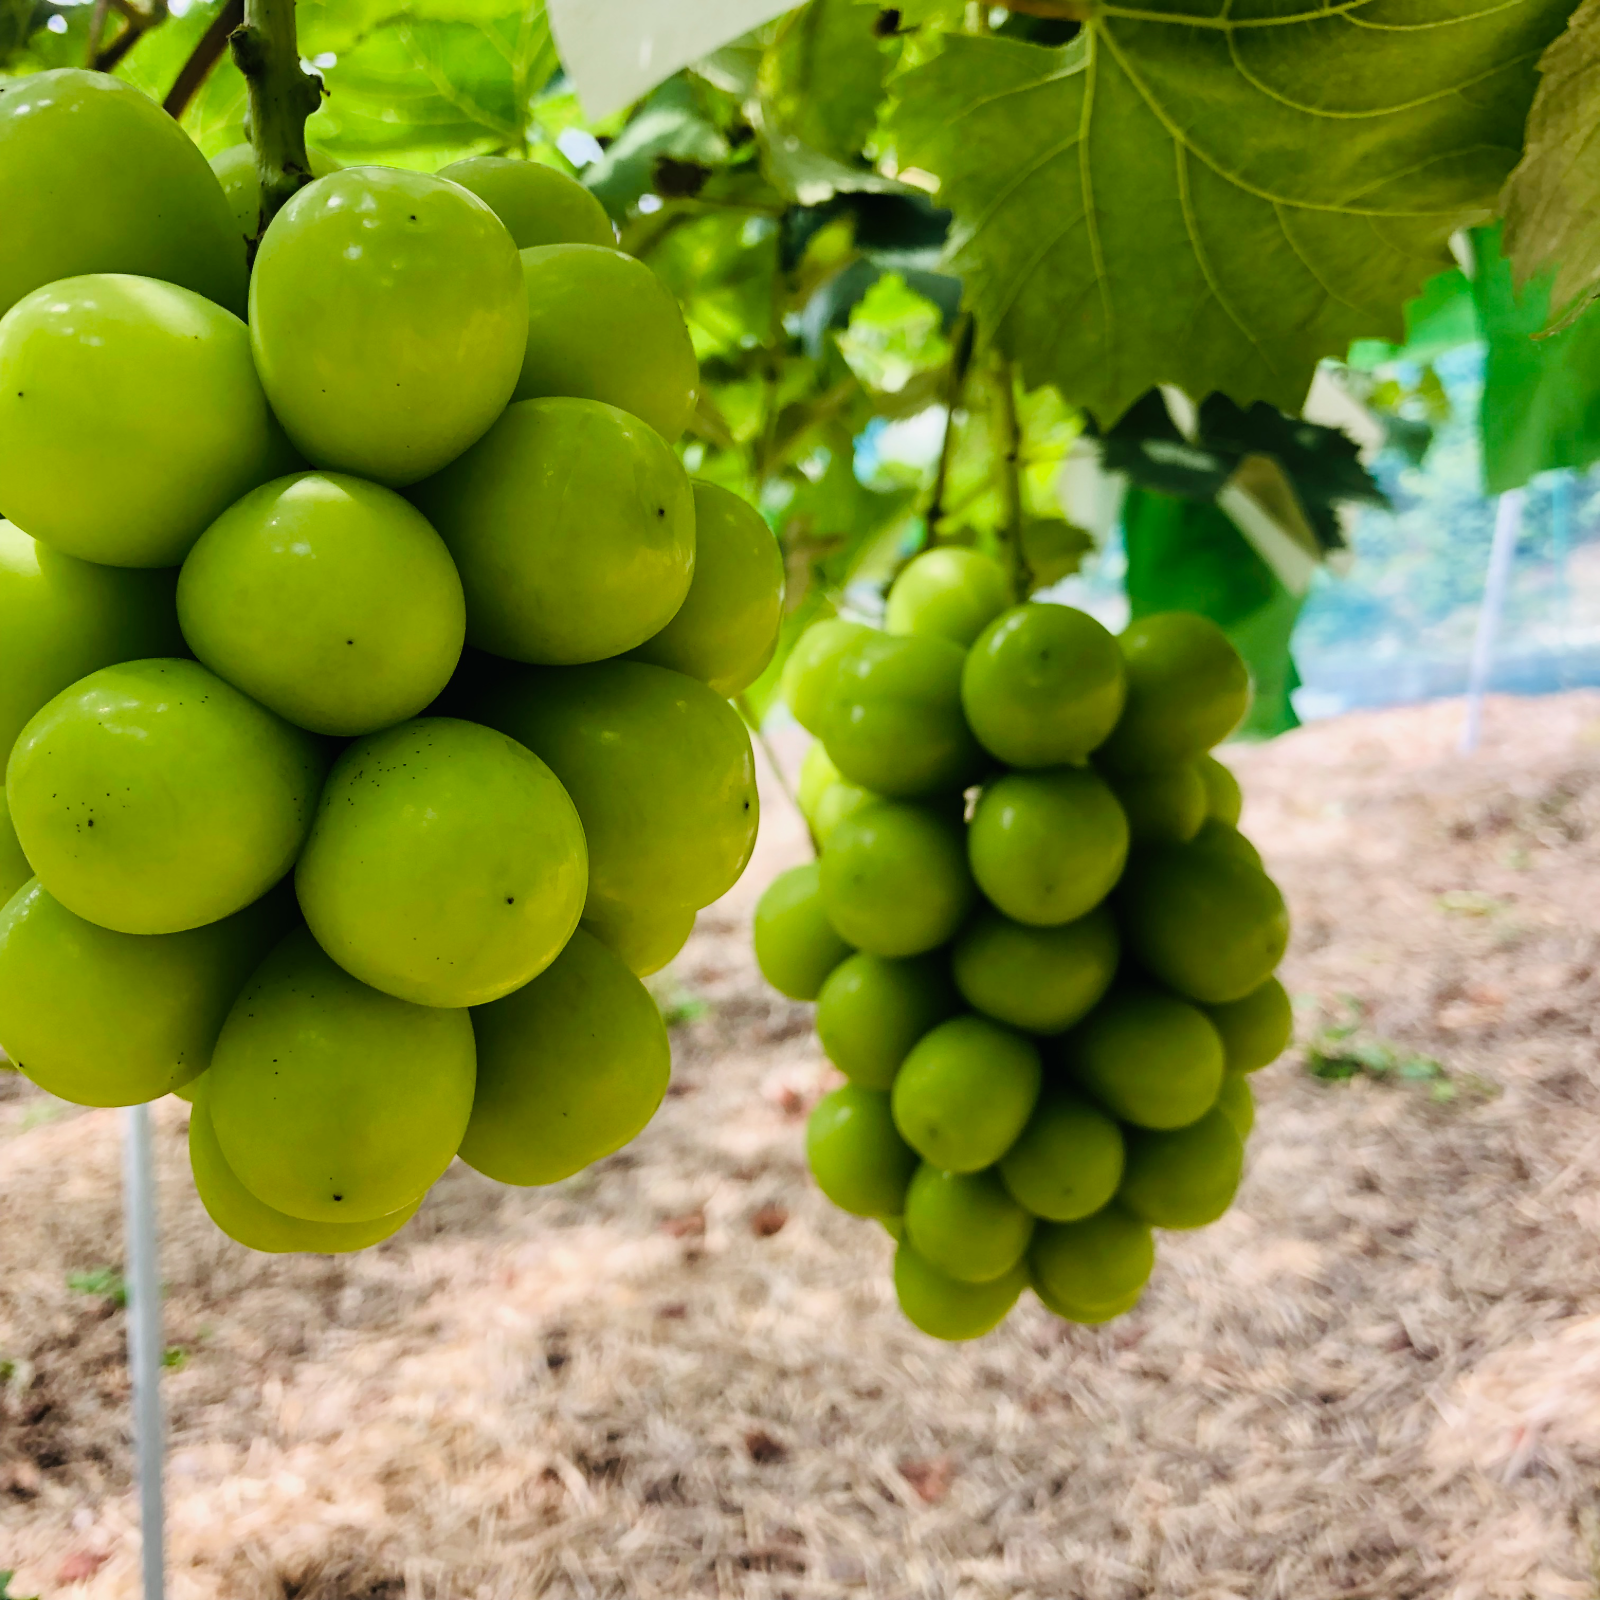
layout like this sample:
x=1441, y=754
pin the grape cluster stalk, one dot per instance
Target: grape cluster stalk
x=365, y=661
x=1041, y=951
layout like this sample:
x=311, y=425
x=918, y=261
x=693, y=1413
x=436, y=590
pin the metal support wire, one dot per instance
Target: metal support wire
x=1507, y=531
x=142, y=1279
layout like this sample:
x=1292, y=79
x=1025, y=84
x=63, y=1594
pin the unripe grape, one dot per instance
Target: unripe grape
x=1041, y=980
x=152, y=797
x=796, y=945
x=1215, y=834
x=538, y=204
x=387, y=317
x=817, y=775
x=446, y=864
x=1237, y=1103
x=1163, y=807
x=570, y=1068
x=872, y=1010
x=1092, y=1270
x=1224, y=797
x=949, y=592
x=965, y=1224
x=1183, y=1177
x=333, y=1102
x=130, y=417
x=1151, y=1058
x=647, y=937
x=240, y=178
x=895, y=878
x=573, y=526
x=946, y=1308
x=1046, y=847
x=1067, y=1162
x=893, y=723
x=659, y=767
x=807, y=685
x=1255, y=1030
x=328, y=599
x=726, y=630
x=965, y=1092
x=839, y=801
x=14, y=868
x=603, y=326
x=1206, y=923
x=250, y=1222
x=858, y=1159
x=1043, y=686
x=62, y=618
x=159, y=1001
x=1188, y=689
x=96, y=177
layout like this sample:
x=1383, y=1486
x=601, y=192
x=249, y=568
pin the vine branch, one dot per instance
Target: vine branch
x=1008, y=442
x=194, y=72
x=282, y=95
x=955, y=381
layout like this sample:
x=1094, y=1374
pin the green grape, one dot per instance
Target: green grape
x=1087, y=1315
x=1183, y=1177
x=965, y=1224
x=387, y=316
x=332, y=1102
x=538, y=204
x=1237, y=1103
x=1082, y=1270
x=257, y=1226
x=841, y=801
x=946, y=1308
x=647, y=937
x=965, y=1092
x=1067, y=1162
x=158, y=1003
x=1224, y=797
x=817, y=775
x=807, y=684
x=858, y=1159
x=62, y=618
x=895, y=1227
x=658, y=766
x=1151, y=1058
x=1041, y=980
x=573, y=527
x=949, y=592
x=894, y=723
x=151, y=797
x=895, y=878
x=1215, y=834
x=130, y=416
x=1187, y=691
x=603, y=326
x=1165, y=807
x=871, y=1011
x=1255, y=1030
x=796, y=946
x=726, y=630
x=328, y=599
x=446, y=864
x=96, y=177
x=1046, y=847
x=14, y=868
x=570, y=1068
x=1205, y=922
x=236, y=171
x=1043, y=685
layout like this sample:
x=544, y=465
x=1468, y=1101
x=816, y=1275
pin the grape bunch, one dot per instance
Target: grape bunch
x=365, y=662
x=1041, y=950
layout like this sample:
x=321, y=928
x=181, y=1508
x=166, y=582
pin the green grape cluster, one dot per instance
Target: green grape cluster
x=365, y=662
x=1041, y=951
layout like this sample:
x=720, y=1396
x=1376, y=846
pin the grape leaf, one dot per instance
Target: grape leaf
x=821, y=78
x=1552, y=198
x=1216, y=195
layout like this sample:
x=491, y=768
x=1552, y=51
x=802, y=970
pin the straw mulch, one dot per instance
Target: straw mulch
x=683, y=1374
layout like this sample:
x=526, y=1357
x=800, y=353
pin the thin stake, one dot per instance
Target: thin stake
x=1507, y=531
x=143, y=1284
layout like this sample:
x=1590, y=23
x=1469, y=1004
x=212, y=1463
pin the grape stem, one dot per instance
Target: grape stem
x=1008, y=451
x=954, y=382
x=282, y=95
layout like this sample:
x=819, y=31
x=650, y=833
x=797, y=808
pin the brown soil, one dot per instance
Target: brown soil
x=682, y=1373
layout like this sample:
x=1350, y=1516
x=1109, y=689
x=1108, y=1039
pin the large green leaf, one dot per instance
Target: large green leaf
x=1541, y=395
x=821, y=78
x=1213, y=194
x=1554, y=195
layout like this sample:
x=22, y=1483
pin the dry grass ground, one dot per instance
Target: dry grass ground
x=682, y=1374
